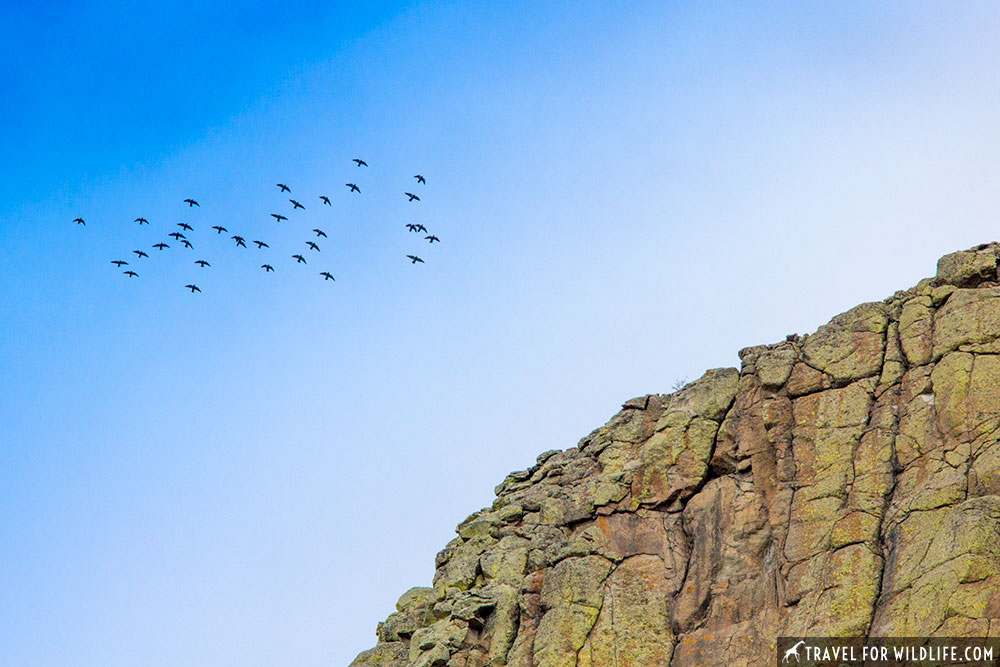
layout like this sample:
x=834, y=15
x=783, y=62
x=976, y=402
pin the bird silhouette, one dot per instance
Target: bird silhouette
x=277, y=217
x=267, y=267
x=296, y=205
x=191, y=202
x=177, y=235
x=299, y=259
x=421, y=228
x=361, y=163
x=432, y=239
x=420, y=179
x=320, y=232
x=313, y=246
x=160, y=246
x=412, y=227
x=218, y=229
x=79, y=221
x=411, y=196
x=353, y=187
x=239, y=241
x=202, y=263
x=131, y=274
x=140, y=253
x=119, y=263
x=326, y=200
x=187, y=244
x=284, y=188
x=261, y=244
x=185, y=226
x=142, y=221
x=414, y=259
x=193, y=288
x=326, y=276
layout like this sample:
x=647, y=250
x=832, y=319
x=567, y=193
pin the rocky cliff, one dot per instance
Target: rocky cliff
x=846, y=482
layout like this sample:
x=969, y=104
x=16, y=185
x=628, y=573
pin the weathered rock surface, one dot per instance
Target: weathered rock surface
x=841, y=483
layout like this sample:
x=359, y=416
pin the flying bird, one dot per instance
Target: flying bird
x=353, y=187
x=190, y=203
x=131, y=274
x=261, y=244
x=296, y=205
x=202, y=263
x=412, y=227
x=267, y=267
x=414, y=259
x=420, y=179
x=313, y=246
x=421, y=228
x=326, y=276
x=277, y=217
x=239, y=240
x=119, y=263
x=326, y=200
x=177, y=235
x=80, y=221
x=361, y=163
x=411, y=196
x=187, y=244
x=432, y=239
x=284, y=188
x=218, y=229
x=185, y=226
x=140, y=253
x=193, y=288
x=142, y=221
x=300, y=259
x=160, y=246
x=320, y=232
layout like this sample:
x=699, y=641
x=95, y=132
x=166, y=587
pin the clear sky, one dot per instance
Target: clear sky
x=626, y=194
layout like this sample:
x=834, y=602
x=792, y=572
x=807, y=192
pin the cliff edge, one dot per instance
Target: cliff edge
x=845, y=482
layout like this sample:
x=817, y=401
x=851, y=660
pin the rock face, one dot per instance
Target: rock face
x=841, y=483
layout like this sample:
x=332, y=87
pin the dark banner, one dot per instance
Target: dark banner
x=894, y=651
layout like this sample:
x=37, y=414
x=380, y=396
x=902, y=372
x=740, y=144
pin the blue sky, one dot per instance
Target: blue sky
x=625, y=197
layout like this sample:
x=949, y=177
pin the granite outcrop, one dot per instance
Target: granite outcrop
x=841, y=483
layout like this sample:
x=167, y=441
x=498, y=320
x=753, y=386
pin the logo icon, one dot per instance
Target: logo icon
x=793, y=651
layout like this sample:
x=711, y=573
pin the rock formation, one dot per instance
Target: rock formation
x=845, y=482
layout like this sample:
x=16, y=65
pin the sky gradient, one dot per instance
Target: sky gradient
x=625, y=196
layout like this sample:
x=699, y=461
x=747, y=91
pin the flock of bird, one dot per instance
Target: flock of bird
x=312, y=243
